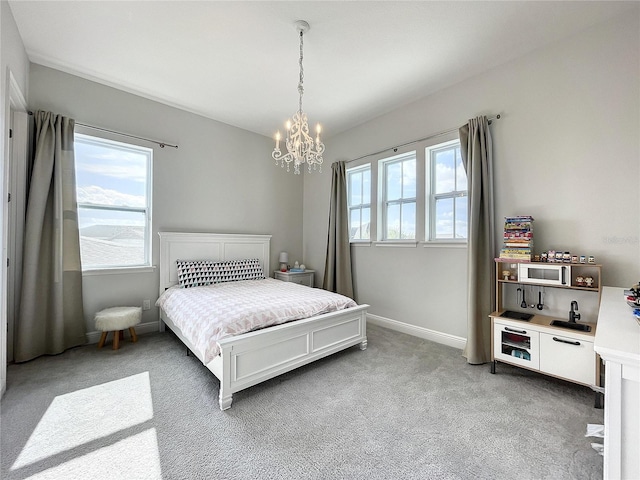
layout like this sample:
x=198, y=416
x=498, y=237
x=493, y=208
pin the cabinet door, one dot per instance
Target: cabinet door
x=516, y=345
x=567, y=357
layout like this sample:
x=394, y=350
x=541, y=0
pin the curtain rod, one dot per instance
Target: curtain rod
x=395, y=149
x=157, y=142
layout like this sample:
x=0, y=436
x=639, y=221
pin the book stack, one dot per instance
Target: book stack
x=518, y=238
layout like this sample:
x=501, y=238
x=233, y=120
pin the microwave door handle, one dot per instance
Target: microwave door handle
x=564, y=271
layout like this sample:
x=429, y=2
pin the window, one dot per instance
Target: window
x=447, y=193
x=113, y=186
x=359, y=202
x=399, y=197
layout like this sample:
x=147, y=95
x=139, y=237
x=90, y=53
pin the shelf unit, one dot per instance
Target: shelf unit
x=577, y=269
x=536, y=344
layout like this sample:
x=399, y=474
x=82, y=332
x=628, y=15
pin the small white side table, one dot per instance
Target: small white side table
x=303, y=278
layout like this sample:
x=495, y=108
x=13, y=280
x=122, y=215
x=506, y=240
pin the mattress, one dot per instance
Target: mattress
x=210, y=313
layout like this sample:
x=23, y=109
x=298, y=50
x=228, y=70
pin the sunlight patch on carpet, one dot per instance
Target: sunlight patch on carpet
x=83, y=416
x=134, y=457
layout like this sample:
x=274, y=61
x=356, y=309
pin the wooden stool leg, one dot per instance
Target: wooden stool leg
x=121, y=334
x=134, y=337
x=116, y=339
x=103, y=337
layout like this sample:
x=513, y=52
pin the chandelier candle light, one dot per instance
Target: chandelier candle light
x=301, y=147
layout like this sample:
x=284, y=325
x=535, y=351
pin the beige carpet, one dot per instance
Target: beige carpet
x=405, y=408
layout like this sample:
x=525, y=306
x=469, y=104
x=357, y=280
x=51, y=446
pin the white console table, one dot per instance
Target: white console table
x=618, y=344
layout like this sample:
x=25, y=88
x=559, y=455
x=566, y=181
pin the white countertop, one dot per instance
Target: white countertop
x=618, y=333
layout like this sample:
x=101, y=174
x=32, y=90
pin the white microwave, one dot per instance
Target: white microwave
x=545, y=274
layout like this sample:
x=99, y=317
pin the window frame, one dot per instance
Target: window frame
x=383, y=201
x=106, y=141
x=431, y=197
x=360, y=206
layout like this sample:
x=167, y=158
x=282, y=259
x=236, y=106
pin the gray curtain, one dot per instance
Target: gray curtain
x=51, y=317
x=337, y=268
x=477, y=157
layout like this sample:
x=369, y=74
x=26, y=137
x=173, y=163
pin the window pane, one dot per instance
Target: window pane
x=444, y=218
x=354, y=224
x=111, y=238
x=461, y=217
x=444, y=175
x=366, y=222
x=366, y=186
x=355, y=188
x=408, y=221
x=409, y=178
x=110, y=175
x=393, y=222
x=461, y=174
x=394, y=179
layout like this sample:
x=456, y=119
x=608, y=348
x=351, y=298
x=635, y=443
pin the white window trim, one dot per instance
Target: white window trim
x=430, y=201
x=422, y=200
x=397, y=243
x=444, y=244
x=118, y=270
x=361, y=243
x=147, y=266
x=383, y=202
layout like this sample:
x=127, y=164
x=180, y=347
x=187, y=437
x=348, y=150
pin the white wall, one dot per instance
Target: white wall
x=14, y=56
x=221, y=178
x=565, y=151
x=13, y=64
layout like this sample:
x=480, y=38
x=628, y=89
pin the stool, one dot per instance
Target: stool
x=116, y=319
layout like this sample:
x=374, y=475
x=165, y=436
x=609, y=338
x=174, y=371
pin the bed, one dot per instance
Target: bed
x=247, y=359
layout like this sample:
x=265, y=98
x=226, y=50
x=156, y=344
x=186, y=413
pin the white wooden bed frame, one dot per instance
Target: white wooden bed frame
x=254, y=357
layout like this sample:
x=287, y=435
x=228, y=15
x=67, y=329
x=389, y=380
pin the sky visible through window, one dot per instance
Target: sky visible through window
x=450, y=176
x=359, y=192
x=401, y=185
x=112, y=187
x=108, y=175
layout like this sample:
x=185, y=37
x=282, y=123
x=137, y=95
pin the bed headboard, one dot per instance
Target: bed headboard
x=208, y=246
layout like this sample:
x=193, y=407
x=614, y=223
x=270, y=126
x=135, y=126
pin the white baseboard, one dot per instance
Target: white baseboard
x=141, y=328
x=421, y=332
x=434, y=336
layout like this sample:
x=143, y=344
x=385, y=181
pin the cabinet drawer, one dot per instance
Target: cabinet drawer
x=516, y=345
x=568, y=358
x=301, y=279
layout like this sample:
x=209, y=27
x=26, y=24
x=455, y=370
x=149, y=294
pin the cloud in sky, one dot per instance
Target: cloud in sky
x=101, y=196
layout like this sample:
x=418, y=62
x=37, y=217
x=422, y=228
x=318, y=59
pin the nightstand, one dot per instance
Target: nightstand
x=303, y=278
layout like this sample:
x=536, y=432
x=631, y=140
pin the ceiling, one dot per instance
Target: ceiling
x=237, y=61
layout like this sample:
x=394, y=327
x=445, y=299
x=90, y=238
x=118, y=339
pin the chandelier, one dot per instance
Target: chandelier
x=301, y=147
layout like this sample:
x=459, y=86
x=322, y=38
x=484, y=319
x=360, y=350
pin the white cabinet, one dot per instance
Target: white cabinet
x=515, y=344
x=557, y=351
x=302, y=278
x=567, y=357
x=536, y=345
x=618, y=343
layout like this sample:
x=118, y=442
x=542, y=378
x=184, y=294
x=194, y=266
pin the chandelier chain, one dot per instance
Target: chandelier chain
x=301, y=82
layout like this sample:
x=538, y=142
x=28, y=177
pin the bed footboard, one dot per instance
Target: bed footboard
x=254, y=357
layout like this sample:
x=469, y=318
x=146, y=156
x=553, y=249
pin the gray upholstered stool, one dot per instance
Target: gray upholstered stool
x=116, y=319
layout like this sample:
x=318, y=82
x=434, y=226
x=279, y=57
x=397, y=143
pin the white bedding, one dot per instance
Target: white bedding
x=205, y=315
